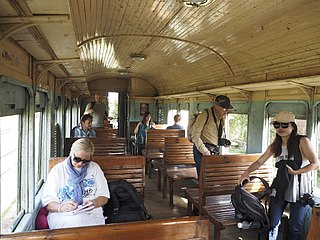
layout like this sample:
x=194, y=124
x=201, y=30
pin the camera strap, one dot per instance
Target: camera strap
x=219, y=128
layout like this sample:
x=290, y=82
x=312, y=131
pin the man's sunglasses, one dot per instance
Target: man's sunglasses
x=278, y=124
x=84, y=161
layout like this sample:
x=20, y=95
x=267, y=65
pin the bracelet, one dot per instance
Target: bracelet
x=59, y=208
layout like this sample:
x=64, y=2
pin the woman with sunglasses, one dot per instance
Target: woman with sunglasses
x=75, y=182
x=292, y=181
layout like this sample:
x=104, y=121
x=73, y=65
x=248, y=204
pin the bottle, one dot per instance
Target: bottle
x=247, y=225
x=244, y=225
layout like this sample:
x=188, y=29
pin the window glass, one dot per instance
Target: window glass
x=37, y=147
x=9, y=134
x=317, y=175
x=184, y=119
x=113, y=108
x=171, y=114
x=237, y=132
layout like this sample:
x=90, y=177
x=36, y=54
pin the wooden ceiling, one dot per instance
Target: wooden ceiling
x=225, y=47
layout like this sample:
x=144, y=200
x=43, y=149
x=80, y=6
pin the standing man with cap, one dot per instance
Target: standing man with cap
x=208, y=129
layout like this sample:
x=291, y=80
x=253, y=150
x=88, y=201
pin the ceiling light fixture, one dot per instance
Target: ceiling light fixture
x=138, y=56
x=195, y=3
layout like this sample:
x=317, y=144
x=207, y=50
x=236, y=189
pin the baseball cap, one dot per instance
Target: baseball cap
x=223, y=101
x=284, y=117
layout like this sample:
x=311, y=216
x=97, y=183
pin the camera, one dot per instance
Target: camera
x=307, y=199
x=224, y=142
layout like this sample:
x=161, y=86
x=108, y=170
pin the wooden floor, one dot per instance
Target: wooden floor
x=159, y=208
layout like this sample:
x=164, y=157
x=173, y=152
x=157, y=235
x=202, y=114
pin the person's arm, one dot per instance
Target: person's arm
x=254, y=166
x=89, y=108
x=73, y=133
x=136, y=130
x=61, y=207
x=152, y=125
x=307, y=151
x=93, y=133
x=99, y=201
x=196, y=133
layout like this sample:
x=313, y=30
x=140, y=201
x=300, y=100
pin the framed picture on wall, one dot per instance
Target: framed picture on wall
x=144, y=107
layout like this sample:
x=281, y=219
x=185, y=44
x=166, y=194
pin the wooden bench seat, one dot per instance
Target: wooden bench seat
x=218, y=177
x=174, y=229
x=178, y=163
x=103, y=146
x=155, y=144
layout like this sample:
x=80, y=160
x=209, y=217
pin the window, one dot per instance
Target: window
x=37, y=146
x=113, y=108
x=317, y=175
x=9, y=134
x=237, y=129
x=171, y=114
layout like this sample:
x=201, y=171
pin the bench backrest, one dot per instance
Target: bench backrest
x=156, y=137
x=103, y=146
x=129, y=168
x=106, y=132
x=178, y=151
x=173, y=229
x=220, y=174
x=132, y=126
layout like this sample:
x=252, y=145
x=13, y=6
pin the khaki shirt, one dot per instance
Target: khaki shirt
x=205, y=133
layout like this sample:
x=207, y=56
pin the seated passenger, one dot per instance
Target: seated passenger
x=76, y=181
x=141, y=131
x=176, y=125
x=84, y=128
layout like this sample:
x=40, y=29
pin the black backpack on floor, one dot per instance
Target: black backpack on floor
x=125, y=204
x=249, y=208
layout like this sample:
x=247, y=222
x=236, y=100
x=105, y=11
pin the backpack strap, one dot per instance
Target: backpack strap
x=219, y=128
x=265, y=184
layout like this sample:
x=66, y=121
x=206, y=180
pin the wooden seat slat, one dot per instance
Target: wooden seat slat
x=191, y=228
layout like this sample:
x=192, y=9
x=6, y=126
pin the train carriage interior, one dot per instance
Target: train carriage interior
x=163, y=56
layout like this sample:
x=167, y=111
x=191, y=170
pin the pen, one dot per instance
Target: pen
x=68, y=196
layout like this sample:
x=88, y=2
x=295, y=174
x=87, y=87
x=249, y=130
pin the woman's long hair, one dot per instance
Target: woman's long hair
x=277, y=142
x=144, y=120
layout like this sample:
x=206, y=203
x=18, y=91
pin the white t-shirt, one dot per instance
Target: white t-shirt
x=59, y=188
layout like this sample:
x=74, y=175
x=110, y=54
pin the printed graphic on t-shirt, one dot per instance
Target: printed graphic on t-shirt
x=66, y=193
